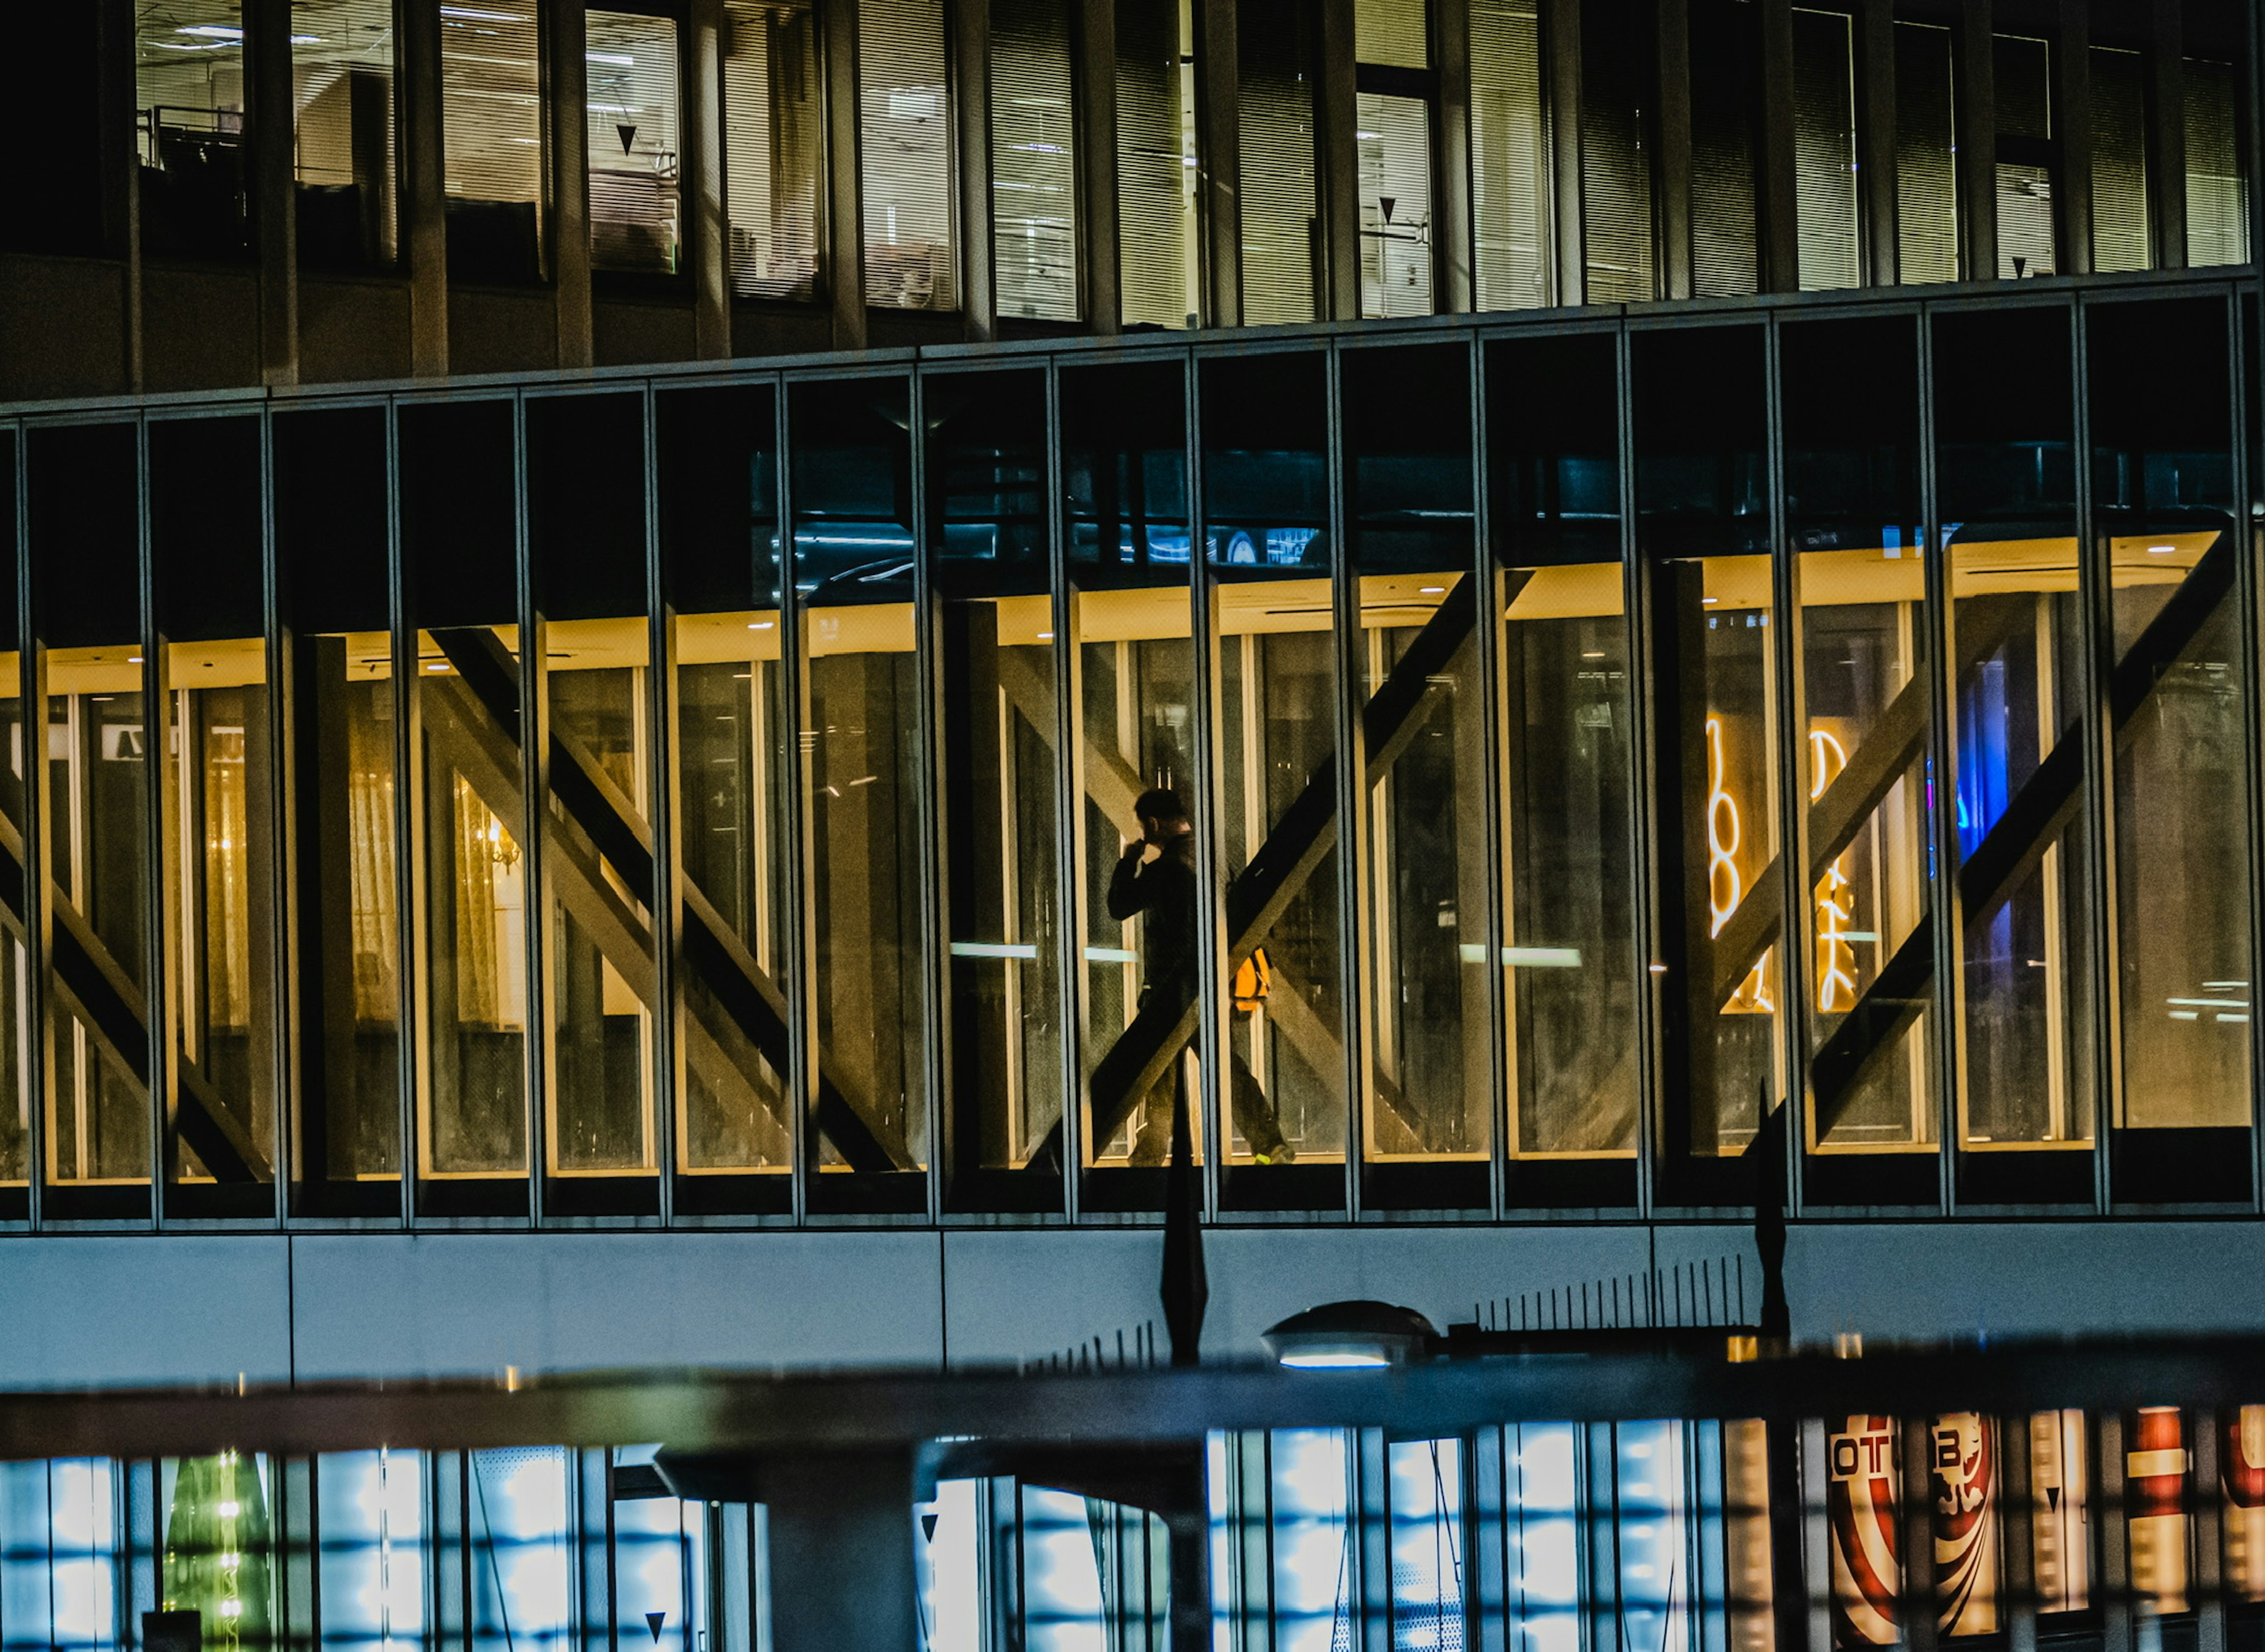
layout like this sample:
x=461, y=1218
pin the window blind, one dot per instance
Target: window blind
x=2217, y=212
x=773, y=143
x=905, y=126
x=1926, y=174
x=633, y=110
x=1275, y=117
x=1391, y=31
x=1725, y=97
x=1395, y=204
x=491, y=100
x=1615, y=152
x=2022, y=70
x=2119, y=160
x=1034, y=161
x=1157, y=238
x=1510, y=157
x=1825, y=151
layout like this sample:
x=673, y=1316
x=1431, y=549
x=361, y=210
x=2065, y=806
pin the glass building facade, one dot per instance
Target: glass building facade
x=719, y=796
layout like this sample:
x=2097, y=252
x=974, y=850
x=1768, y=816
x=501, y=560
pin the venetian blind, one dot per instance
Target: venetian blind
x=1926, y=176
x=2119, y=160
x=2218, y=212
x=1824, y=151
x=1510, y=157
x=904, y=130
x=1274, y=118
x=772, y=145
x=1615, y=154
x=2022, y=70
x=634, y=154
x=1034, y=161
x=1725, y=53
x=491, y=100
x=1391, y=31
x=1156, y=235
x=1396, y=204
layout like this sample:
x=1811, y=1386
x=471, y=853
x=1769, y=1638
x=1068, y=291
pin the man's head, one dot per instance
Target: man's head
x=1161, y=814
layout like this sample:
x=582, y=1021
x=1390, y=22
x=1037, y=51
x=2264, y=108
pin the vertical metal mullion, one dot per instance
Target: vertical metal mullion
x=1781, y=240
x=795, y=964
x=1643, y=818
x=1220, y=150
x=1450, y=120
x=534, y=797
x=1337, y=102
x=1211, y=1043
x=1069, y=814
x=1501, y=1082
x=1974, y=97
x=660, y=775
x=2072, y=99
x=1942, y=726
x=2166, y=135
x=1792, y=748
x=1673, y=168
x=408, y=809
x=30, y=665
x=928, y=672
x=2246, y=595
x=1876, y=136
x=1093, y=64
x=1354, y=965
x=2094, y=600
x=156, y=887
x=281, y=902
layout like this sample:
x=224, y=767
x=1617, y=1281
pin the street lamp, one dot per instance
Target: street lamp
x=1350, y=1336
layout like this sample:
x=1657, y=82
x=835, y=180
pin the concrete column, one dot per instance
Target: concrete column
x=842, y=1551
x=569, y=184
x=275, y=187
x=708, y=248
x=423, y=188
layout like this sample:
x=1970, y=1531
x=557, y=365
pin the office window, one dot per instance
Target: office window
x=492, y=116
x=1159, y=231
x=904, y=114
x=56, y=206
x=217, y=1547
x=1616, y=152
x=342, y=81
x=1281, y=228
x=1428, y=1099
x=774, y=147
x=190, y=130
x=2218, y=202
x=2027, y=168
x=1394, y=141
x=370, y=1566
x=2121, y=237
x=86, y=612
x=1569, y=972
x=1725, y=113
x=586, y=538
x=332, y=504
x=205, y=545
x=62, y=1563
x=1034, y=161
x=636, y=162
x=1927, y=172
x=1393, y=33
x=1825, y=151
x=1510, y=157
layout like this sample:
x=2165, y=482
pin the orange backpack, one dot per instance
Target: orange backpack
x=1254, y=980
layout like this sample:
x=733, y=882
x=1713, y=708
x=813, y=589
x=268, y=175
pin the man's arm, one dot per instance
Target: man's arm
x=1128, y=894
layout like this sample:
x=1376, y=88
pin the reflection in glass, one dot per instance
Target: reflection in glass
x=1423, y=872
x=1570, y=971
x=860, y=737
x=1703, y=514
x=720, y=572
x=2003, y=428
x=987, y=475
x=1125, y=464
x=1852, y=500
x=2162, y=468
x=635, y=160
x=1267, y=546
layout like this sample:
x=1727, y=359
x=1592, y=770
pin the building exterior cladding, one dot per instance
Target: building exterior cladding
x=605, y=593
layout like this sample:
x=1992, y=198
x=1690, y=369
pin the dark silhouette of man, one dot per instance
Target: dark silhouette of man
x=1164, y=890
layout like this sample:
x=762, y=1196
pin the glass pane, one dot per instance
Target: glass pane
x=194, y=193
x=1425, y=1494
x=1616, y=151
x=1281, y=250
x=2027, y=167
x=862, y=781
x=720, y=577
x=904, y=113
x=1926, y=174
x=2007, y=480
x=220, y=850
x=2122, y=237
x=1703, y=516
x=331, y=492
x=1395, y=33
x=1124, y=469
x=1853, y=507
x=2162, y=442
x=586, y=526
x=1408, y=480
x=1395, y=204
x=1034, y=161
x=1510, y=157
x=1725, y=95
x=460, y=547
x=16, y=1084
x=1160, y=237
x=60, y=1555
x=342, y=81
x=773, y=147
x=635, y=157
x=491, y=109
x=369, y=1508
x=986, y=471
x=218, y=1547
x=1570, y=969
x=1824, y=150
x=1266, y=524
x=86, y=585
x=2218, y=202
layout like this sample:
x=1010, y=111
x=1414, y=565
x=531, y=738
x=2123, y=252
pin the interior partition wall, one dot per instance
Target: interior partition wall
x=1462, y=773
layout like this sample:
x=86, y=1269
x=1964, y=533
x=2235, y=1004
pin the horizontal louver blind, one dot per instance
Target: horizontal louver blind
x=904, y=130
x=1280, y=231
x=1616, y=157
x=2119, y=160
x=1927, y=178
x=1725, y=260
x=1509, y=156
x=771, y=143
x=491, y=100
x=634, y=152
x=2217, y=210
x=1034, y=161
x=1155, y=225
x=1825, y=151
